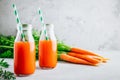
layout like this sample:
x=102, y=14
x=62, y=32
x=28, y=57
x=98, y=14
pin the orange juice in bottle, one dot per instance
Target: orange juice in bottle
x=24, y=52
x=47, y=48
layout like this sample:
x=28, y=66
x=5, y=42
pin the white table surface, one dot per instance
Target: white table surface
x=69, y=71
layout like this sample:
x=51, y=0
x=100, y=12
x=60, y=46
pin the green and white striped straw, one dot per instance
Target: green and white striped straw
x=42, y=22
x=18, y=21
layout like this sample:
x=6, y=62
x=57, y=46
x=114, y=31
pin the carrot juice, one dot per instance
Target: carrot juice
x=47, y=53
x=24, y=58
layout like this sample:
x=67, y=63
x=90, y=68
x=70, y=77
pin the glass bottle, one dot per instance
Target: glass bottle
x=47, y=47
x=24, y=52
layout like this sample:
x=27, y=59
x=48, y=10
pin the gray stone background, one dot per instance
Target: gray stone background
x=88, y=24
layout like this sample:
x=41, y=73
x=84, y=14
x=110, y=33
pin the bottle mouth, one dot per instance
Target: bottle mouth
x=25, y=27
x=49, y=26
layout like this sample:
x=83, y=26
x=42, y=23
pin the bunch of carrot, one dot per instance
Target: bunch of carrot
x=79, y=56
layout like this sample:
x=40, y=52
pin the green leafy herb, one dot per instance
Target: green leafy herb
x=4, y=64
x=6, y=75
x=6, y=46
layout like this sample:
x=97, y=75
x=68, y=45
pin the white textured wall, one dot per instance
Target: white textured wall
x=89, y=24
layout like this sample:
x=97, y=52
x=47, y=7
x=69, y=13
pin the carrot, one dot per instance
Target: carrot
x=82, y=51
x=100, y=58
x=72, y=59
x=105, y=60
x=97, y=57
x=88, y=58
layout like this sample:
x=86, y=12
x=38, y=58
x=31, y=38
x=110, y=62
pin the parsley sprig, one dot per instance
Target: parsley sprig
x=5, y=75
x=4, y=64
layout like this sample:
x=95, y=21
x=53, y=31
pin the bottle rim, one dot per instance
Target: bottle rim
x=25, y=26
x=51, y=26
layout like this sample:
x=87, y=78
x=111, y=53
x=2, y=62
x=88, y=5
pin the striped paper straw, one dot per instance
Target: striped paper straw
x=18, y=21
x=42, y=22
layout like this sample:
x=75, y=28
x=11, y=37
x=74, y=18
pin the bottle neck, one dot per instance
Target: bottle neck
x=26, y=31
x=50, y=28
x=48, y=32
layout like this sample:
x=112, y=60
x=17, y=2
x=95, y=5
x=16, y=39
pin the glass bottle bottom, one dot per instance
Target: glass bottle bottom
x=23, y=75
x=46, y=68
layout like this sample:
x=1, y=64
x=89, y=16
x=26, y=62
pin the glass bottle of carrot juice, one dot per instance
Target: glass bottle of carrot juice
x=47, y=47
x=24, y=52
